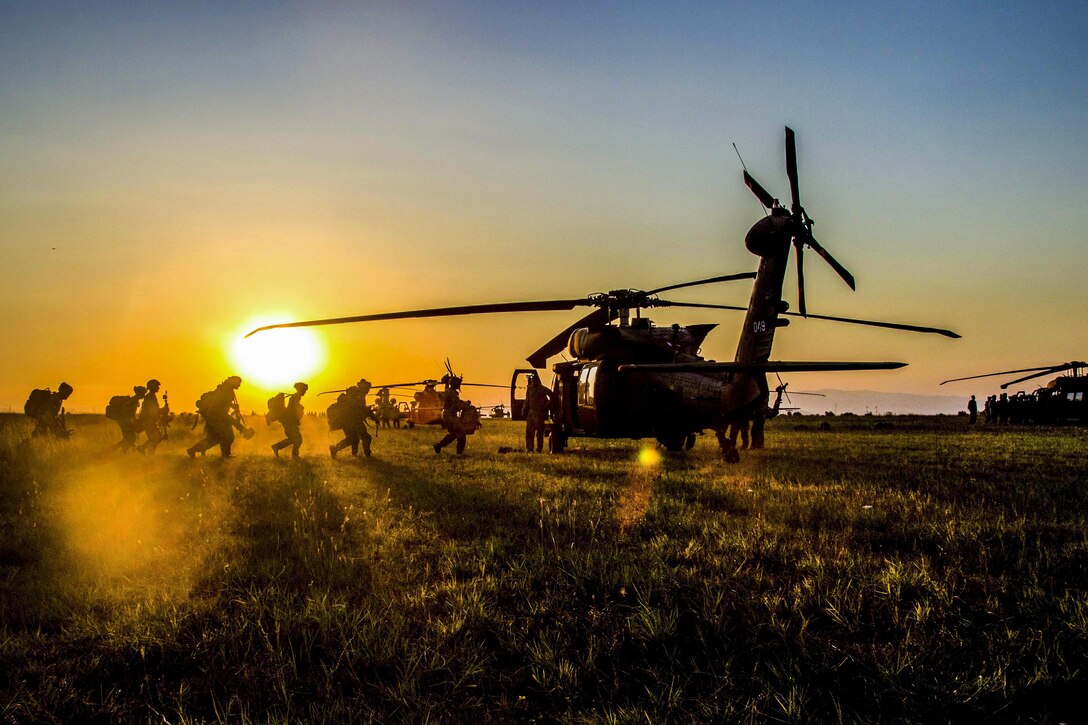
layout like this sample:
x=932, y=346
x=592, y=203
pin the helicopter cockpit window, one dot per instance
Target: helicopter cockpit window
x=585, y=386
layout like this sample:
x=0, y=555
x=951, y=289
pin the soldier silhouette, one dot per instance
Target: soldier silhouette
x=452, y=406
x=292, y=422
x=972, y=411
x=352, y=414
x=46, y=409
x=538, y=402
x=122, y=410
x=148, y=421
x=222, y=415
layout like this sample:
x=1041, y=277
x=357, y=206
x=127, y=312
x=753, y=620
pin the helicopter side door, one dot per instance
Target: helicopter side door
x=517, y=392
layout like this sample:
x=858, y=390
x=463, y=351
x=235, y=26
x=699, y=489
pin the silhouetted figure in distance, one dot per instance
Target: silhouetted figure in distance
x=122, y=410
x=538, y=401
x=148, y=422
x=222, y=415
x=292, y=422
x=46, y=409
x=452, y=406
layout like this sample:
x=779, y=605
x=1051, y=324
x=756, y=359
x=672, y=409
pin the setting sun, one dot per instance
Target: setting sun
x=278, y=358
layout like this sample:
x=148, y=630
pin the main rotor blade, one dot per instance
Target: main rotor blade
x=597, y=318
x=710, y=366
x=851, y=320
x=816, y=247
x=801, y=279
x=541, y=306
x=1044, y=370
x=764, y=198
x=710, y=280
x=791, y=168
x=1051, y=371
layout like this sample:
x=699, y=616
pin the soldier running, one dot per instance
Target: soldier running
x=46, y=409
x=149, y=418
x=221, y=415
x=292, y=422
x=122, y=409
x=538, y=402
x=452, y=407
x=355, y=414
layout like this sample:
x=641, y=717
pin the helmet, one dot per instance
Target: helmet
x=234, y=381
x=364, y=384
x=140, y=390
x=65, y=389
x=301, y=387
x=153, y=384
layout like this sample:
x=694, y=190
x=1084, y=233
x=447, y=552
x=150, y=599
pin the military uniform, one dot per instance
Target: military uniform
x=126, y=420
x=452, y=405
x=538, y=400
x=292, y=422
x=148, y=421
x=47, y=418
x=355, y=429
x=221, y=417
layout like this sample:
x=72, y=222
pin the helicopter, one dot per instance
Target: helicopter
x=637, y=380
x=426, y=406
x=1064, y=399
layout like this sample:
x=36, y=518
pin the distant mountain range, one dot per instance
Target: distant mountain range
x=861, y=402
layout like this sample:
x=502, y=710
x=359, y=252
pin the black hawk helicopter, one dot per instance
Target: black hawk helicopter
x=1064, y=399
x=636, y=380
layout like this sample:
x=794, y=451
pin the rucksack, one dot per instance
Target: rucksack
x=205, y=402
x=38, y=402
x=277, y=408
x=470, y=419
x=121, y=407
x=338, y=413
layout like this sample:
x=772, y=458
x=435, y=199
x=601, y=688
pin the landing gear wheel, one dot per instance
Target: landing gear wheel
x=557, y=442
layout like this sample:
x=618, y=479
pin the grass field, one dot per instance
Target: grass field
x=911, y=572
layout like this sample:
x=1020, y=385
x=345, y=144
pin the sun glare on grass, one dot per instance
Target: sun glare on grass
x=277, y=358
x=649, y=457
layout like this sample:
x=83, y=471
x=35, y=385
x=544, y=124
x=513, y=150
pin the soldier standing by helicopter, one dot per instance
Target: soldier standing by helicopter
x=292, y=422
x=222, y=415
x=972, y=411
x=150, y=418
x=538, y=402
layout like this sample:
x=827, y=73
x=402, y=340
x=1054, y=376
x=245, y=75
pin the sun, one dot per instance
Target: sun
x=277, y=358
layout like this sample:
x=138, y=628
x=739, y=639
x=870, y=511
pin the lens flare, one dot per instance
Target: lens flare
x=649, y=456
x=277, y=358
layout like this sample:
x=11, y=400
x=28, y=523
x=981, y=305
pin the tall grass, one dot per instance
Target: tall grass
x=922, y=573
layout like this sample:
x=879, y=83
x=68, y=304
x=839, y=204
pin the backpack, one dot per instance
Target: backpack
x=277, y=409
x=121, y=407
x=338, y=413
x=37, y=403
x=205, y=402
x=470, y=419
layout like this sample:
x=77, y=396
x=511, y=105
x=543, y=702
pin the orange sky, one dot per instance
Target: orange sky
x=163, y=185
